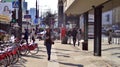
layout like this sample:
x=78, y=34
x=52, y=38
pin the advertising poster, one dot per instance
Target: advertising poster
x=5, y=11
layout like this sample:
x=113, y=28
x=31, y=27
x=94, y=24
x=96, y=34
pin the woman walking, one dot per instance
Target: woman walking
x=48, y=42
x=33, y=35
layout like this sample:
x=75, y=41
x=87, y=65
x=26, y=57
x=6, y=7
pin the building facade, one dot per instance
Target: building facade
x=105, y=13
x=33, y=14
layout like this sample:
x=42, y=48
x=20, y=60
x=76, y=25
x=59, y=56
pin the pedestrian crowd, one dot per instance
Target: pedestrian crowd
x=74, y=35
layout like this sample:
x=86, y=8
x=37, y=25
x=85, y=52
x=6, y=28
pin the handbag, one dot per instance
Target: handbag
x=52, y=42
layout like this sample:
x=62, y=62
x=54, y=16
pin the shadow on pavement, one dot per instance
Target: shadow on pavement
x=20, y=63
x=111, y=48
x=71, y=64
x=35, y=56
x=68, y=64
x=61, y=49
x=118, y=56
x=64, y=56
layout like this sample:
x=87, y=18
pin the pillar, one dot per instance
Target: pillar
x=85, y=43
x=97, y=30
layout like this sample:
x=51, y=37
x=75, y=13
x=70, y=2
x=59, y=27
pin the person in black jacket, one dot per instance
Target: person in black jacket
x=69, y=35
x=48, y=42
x=74, y=34
x=26, y=34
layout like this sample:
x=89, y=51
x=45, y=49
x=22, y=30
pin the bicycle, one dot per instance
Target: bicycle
x=25, y=48
x=9, y=54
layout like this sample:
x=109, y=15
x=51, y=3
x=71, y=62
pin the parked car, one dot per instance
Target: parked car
x=40, y=35
x=104, y=31
x=116, y=33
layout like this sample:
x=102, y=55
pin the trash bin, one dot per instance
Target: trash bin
x=84, y=46
x=64, y=40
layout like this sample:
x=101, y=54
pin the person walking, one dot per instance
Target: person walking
x=48, y=42
x=110, y=36
x=33, y=35
x=79, y=36
x=26, y=34
x=69, y=35
x=74, y=34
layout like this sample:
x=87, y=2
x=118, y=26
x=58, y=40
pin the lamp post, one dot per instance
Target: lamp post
x=37, y=15
x=20, y=19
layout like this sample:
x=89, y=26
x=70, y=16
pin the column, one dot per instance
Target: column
x=97, y=30
x=85, y=43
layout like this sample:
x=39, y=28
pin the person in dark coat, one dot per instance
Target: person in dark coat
x=110, y=36
x=48, y=42
x=26, y=34
x=74, y=34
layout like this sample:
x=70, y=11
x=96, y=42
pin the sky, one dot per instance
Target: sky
x=43, y=4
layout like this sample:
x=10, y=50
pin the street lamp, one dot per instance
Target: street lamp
x=20, y=19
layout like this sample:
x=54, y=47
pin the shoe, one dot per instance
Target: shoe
x=48, y=58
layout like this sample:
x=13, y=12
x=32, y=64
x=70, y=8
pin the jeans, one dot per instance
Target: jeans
x=74, y=41
x=48, y=47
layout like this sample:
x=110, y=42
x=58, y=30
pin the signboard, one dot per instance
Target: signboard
x=7, y=0
x=36, y=21
x=27, y=16
x=15, y=4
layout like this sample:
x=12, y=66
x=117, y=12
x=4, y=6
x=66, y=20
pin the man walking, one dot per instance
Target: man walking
x=74, y=34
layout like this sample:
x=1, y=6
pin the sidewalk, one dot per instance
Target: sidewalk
x=110, y=54
x=64, y=55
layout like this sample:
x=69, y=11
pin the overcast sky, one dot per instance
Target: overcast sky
x=43, y=4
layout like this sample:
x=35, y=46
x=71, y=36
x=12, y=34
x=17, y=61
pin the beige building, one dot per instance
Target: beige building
x=78, y=7
x=77, y=12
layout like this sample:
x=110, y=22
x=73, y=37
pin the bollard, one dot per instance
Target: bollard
x=84, y=46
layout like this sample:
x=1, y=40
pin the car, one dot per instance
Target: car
x=116, y=33
x=104, y=31
x=40, y=35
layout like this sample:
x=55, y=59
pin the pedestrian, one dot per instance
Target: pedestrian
x=69, y=35
x=26, y=35
x=33, y=35
x=74, y=34
x=110, y=36
x=79, y=36
x=48, y=42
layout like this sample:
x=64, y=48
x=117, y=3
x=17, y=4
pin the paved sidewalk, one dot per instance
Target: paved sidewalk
x=64, y=55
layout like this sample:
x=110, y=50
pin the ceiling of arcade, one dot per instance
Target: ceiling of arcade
x=81, y=6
